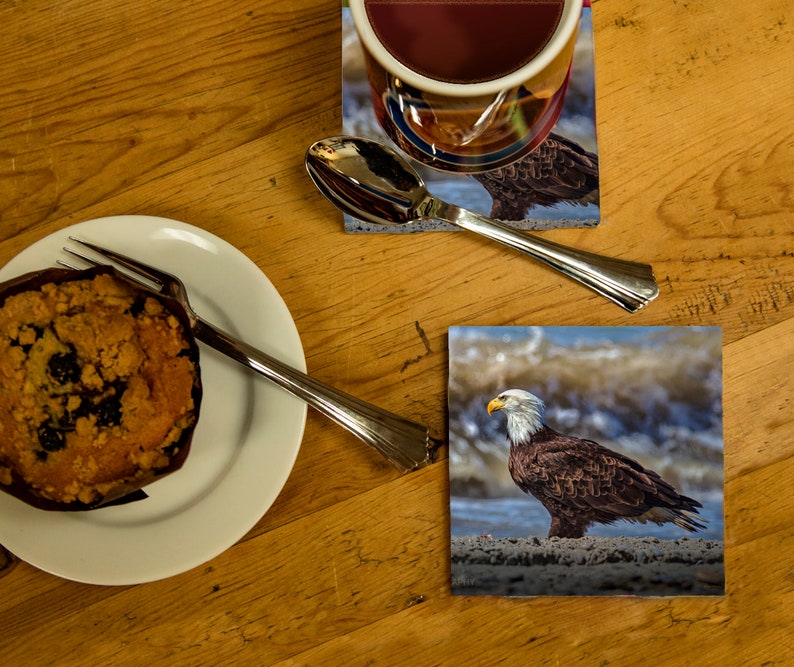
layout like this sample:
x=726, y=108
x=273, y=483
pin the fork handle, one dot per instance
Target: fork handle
x=406, y=444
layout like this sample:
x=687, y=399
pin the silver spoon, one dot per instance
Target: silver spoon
x=371, y=182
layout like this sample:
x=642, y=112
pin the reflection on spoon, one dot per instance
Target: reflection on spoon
x=371, y=182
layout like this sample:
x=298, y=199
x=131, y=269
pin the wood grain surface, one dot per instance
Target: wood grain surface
x=202, y=111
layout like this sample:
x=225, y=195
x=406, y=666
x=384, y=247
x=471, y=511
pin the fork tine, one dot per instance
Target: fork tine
x=88, y=260
x=148, y=272
x=149, y=284
x=66, y=264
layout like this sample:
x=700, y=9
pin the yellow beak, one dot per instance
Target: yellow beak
x=494, y=405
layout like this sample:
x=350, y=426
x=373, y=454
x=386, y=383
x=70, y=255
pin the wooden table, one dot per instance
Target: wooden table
x=201, y=111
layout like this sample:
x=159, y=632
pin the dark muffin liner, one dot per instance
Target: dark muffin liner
x=124, y=492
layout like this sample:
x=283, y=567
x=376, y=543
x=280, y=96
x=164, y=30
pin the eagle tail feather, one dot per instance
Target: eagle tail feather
x=689, y=521
x=683, y=518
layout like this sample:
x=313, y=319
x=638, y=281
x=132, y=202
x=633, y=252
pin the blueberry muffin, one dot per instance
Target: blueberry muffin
x=99, y=388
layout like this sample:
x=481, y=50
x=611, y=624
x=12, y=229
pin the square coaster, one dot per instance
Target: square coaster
x=642, y=517
x=557, y=185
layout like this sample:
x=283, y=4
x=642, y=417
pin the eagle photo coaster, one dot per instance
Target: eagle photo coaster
x=586, y=461
x=555, y=186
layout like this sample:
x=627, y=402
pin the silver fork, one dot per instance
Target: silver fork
x=408, y=445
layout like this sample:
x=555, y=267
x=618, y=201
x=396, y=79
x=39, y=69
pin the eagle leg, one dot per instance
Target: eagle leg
x=561, y=527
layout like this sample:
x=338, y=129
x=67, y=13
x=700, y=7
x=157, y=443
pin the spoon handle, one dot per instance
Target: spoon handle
x=629, y=284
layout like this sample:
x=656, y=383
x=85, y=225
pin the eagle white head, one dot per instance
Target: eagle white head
x=525, y=413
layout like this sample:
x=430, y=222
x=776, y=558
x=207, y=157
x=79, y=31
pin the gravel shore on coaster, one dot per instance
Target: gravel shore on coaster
x=646, y=566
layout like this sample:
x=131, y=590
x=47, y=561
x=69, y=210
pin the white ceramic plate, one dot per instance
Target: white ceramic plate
x=245, y=443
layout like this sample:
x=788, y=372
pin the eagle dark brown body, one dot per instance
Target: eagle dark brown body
x=581, y=482
x=559, y=170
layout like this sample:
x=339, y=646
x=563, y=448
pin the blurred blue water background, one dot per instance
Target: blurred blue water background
x=653, y=393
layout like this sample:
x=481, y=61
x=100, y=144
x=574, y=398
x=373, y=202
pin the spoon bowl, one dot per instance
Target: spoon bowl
x=371, y=182
x=371, y=185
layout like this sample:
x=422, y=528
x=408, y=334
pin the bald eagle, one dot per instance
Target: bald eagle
x=580, y=482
